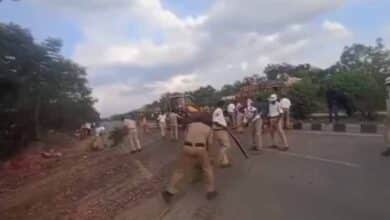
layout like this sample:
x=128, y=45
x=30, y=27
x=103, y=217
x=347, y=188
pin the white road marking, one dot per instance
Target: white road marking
x=145, y=171
x=309, y=157
x=338, y=133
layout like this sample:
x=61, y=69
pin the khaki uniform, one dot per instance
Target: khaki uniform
x=223, y=140
x=162, y=124
x=173, y=122
x=132, y=136
x=286, y=118
x=133, y=139
x=276, y=126
x=257, y=133
x=195, y=152
x=387, y=122
x=240, y=122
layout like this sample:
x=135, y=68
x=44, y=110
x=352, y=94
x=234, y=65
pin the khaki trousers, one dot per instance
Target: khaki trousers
x=98, y=143
x=240, y=122
x=174, y=131
x=223, y=139
x=133, y=140
x=276, y=126
x=189, y=159
x=286, y=118
x=233, y=119
x=257, y=133
x=163, y=128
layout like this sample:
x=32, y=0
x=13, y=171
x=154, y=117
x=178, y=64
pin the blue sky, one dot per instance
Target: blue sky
x=134, y=50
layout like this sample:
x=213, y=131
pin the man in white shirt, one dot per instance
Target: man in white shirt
x=275, y=112
x=239, y=117
x=219, y=128
x=162, y=122
x=231, y=111
x=132, y=135
x=98, y=142
x=285, y=104
x=174, y=125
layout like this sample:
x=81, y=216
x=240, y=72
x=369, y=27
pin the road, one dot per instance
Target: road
x=323, y=176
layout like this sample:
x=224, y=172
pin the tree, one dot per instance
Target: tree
x=41, y=89
x=205, y=96
x=274, y=71
x=368, y=59
x=303, y=98
x=366, y=94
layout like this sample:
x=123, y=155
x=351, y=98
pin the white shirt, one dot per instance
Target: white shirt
x=219, y=117
x=285, y=103
x=99, y=130
x=130, y=124
x=162, y=118
x=249, y=102
x=250, y=111
x=88, y=125
x=274, y=109
x=231, y=107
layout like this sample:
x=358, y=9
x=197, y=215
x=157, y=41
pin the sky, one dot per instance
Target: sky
x=136, y=50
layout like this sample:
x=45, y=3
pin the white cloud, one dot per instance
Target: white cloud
x=244, y=65
x=336, y=29
x=178, y=83
x=171, y=53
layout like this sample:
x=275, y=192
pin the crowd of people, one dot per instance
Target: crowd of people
x=204, y=128
x=271, y=116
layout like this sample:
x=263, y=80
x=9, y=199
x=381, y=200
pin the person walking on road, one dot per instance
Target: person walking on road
x=274, y=114
x=98, y=142
x=240, y=118
x=231, y=109
x=195, y=152
x=220, y=133
x=162, y=122
x=285, y=104
x=174, y=125
x=144, y=124
x=132, y=135
x=257, y=130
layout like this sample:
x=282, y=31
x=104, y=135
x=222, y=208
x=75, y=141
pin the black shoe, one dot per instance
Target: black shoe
x=386, y=153
x=256, y=150
x=133, y=151
x=283, y=148
x=139, y=150
x=167, y=196
x=227, y=165
x=211, y=195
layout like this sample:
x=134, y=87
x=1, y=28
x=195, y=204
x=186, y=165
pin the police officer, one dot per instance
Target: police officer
x=173, y=123
x=132, y=135
x=162, y=122
x=275, y=113
x=386, y=153
x=220, y=133
x=257, y=127
x=195, y=151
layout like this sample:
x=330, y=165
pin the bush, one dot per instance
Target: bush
x=303, y=99
x=263, y=95
x=365, y=91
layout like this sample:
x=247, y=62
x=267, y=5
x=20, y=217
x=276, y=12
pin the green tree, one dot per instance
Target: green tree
x=367, y=95
x=41, y=89
x=205, y=96
x=303, y=98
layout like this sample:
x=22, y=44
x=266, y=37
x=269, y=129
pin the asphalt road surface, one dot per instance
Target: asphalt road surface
x=322, y=177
